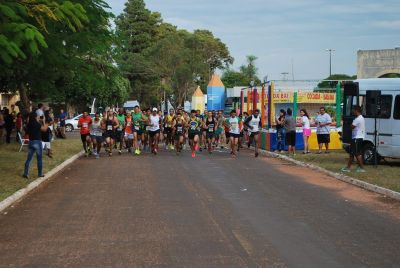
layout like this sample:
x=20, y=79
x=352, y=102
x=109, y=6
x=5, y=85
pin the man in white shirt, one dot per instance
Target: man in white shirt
x=323, y=121
x=39, y=111
x=358, y=135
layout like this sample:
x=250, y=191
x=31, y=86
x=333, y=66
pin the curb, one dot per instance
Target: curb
x=362, y=184
x=18, y=195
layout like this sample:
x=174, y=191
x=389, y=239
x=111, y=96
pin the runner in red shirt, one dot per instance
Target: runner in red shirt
x=84, y=123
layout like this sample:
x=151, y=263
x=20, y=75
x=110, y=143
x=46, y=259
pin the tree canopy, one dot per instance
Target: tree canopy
x=247, y=73
x=333, y=79
x=59, y=51
x=68, y=52
x=159, y=59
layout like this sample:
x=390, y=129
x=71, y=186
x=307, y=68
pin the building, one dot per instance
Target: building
x=378, y=63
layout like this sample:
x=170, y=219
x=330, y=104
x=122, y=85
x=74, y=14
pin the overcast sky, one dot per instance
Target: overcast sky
x=281, y=31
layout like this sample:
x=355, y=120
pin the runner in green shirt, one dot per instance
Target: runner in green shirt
x=121, y=128
x=138, y=133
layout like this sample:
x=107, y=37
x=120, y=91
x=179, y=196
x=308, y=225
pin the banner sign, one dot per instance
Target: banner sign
x=304, y=97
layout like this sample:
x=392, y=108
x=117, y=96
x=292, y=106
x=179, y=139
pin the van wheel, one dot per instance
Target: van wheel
x=369, y=154
x=69, y=128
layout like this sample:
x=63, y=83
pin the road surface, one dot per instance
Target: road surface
x=212, y=211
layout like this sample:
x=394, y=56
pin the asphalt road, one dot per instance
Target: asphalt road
x=212, y=211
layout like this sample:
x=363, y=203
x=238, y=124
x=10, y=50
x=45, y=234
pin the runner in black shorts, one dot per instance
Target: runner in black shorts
x=194, y=132
x=211, y=126
x=178, y=128
x=168, y=121
x=154, y=130
x=110, y=124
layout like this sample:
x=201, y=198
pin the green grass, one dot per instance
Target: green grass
x=386, y=175
x=12, y=163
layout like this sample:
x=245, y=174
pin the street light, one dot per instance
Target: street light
x=330, y=50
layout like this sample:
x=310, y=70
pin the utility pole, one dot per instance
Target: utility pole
x=330, y=50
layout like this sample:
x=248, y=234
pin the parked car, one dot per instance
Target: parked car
x=72, y=124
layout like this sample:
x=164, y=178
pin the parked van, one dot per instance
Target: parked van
x=387, y=120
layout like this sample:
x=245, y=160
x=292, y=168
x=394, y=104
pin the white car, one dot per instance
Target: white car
x=72, y=124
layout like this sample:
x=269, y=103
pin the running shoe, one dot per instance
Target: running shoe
x=345, y=169
x=172, y=147
x=360, y=170
x=97, y=156
x=119, y=152
x=193, y=154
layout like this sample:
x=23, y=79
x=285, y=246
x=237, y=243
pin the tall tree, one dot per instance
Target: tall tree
x=137, y=30
x=243, y=77
x=77, y=64
x=250, y=70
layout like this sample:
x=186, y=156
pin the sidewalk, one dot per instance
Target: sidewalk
x=385, y=179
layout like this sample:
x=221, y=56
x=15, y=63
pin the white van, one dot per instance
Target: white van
x=387, y=122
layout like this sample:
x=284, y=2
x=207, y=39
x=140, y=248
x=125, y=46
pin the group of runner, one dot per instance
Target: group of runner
x=138, y=131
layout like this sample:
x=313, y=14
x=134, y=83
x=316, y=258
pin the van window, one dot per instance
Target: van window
x=386, y=107
x=396, y=112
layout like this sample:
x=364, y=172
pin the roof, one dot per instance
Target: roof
x=198, y=92
x=379, y=84
x=215, y=81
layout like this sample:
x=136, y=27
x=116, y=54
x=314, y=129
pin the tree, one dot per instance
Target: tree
x=250, y=70
x=232, y=78
x=246, y=74
x=22, y=22
x=137, y=30
x=157, y=58
x=330, y=85
x=77, y=64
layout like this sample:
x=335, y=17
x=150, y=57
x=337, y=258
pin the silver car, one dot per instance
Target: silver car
x=72, y=124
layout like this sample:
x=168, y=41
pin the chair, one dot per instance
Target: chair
x=23, y=142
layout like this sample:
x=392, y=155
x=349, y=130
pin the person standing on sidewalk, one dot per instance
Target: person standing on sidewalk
x=8, y=125
x=290, y=129
x=305, y=121
x=63, y=116
x=358, y=136
x=323, y=122
x=34, y=129
x=280, y=131
x=18, y=127
x=47, y=135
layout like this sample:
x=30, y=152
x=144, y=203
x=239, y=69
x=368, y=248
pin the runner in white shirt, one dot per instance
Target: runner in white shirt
x=154, y=130
x=358, y=135
x=253, y=124
x=234, y=131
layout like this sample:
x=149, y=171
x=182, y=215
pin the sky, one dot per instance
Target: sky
x=289, y=33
